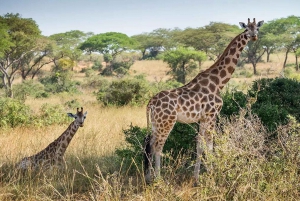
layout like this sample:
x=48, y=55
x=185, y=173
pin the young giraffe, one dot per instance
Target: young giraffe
x=53, y=154
x=197, y=101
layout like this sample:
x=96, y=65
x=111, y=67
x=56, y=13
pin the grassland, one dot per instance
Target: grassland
x=241, y=168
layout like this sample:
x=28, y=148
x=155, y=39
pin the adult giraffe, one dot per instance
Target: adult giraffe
x=197, y=101
x=53, y=154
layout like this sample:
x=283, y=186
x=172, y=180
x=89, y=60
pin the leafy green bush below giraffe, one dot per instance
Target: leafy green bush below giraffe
x=275, y=99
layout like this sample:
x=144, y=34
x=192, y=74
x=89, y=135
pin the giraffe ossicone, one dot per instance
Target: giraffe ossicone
x=198, y=101
x=53, y=154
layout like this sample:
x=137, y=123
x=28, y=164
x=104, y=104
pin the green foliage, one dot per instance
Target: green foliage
x=110, y=43
x=180, y=141
x=97, y=65
x=276, y=98
x=14, y=113
x=59, y=82
x=51, y=114
x=96, y=81
x=182, y=61
x=233, y=102
x=123, y=92
x=30, y=88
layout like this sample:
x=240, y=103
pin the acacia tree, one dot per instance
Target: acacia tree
x=155, y=41
x=21, y=34
x=287, y=29
x=68, y=43
x=109, y=44
x=254, y=52
x=212, y=38
x=181, y=61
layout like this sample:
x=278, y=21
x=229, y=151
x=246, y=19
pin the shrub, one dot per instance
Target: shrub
x=14, y=113
x=52, y=114
x=123, y=92
x=233, y=102
x=276, y=99
x=60, y=82
x=181, y=141
x=30, y=88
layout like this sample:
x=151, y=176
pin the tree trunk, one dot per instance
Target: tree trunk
x=286, y=56
x=254, y=68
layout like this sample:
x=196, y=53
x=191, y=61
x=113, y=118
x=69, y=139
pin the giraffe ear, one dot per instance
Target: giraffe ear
x=243, y=25
x=260, y=23
x=71, y=115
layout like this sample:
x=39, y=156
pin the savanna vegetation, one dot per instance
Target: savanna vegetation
x=112, y=76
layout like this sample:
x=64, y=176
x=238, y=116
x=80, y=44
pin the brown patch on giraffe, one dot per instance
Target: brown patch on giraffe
x=165, y=99
x=227, y=60
x=207, y=108
x=239, y=45
x=197, y=107
x=204, y=90
x=188, y=103
x=245, y=36
x=223, y=73
x=203, y=82
x=192, y=101
x=230, y=69
x=232, y=51
x=222, y=63
x=185, y=96
x=225, y=81
x=172, y=95
x=196, y=87
x=212, y=87
x=197, y=98
x=234, y=61
x=243, y=42
x=241, y=49
x=210, y=97
x=204, y=75
x=215, y=79
x=218, y=100
x=215, y=71
x=164, y=106
x=167, y=112
x=192, y=108
x=193, y=115
x=204, y=99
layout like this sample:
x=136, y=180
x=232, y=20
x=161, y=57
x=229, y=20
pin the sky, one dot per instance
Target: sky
x=134, y=17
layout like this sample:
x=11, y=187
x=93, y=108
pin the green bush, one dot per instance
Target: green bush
x=52, y=114
x=123, y=92
x=232, y=102
x=276, y=98
x=14, y=113
x=180, y=141
x=29, y=88
x=60, y=82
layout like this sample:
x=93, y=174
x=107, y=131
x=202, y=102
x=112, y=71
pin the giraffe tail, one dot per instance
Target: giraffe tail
x=147, y=154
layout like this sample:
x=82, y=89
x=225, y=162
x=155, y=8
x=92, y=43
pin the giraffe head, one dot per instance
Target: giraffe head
x=252, y=28
x=79, y=117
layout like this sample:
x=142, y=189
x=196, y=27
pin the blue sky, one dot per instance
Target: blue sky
x=138, y=16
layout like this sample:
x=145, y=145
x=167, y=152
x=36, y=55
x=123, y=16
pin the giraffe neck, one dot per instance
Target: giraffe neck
x=220, y=72
x=65, y=138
